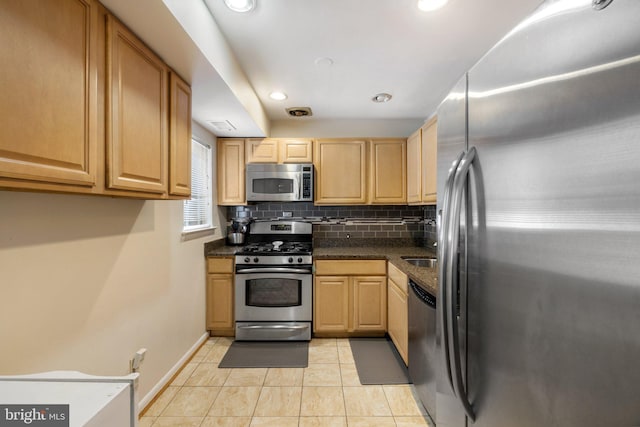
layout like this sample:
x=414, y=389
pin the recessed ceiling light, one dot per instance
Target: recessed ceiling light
x=278, y=96
x=240, y=5
x=429, y=5
x=324, y=61
x=381, y=97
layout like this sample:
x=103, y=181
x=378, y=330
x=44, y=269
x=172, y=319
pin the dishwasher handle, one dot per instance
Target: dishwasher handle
x=423, y=295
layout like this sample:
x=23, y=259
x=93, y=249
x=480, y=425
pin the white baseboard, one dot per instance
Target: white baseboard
x=167, y=377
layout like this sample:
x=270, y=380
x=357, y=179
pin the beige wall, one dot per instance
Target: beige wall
x=86, y=281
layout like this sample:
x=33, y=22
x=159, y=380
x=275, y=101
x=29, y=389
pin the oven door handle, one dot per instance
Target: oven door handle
x=287, y=327
x=274, y=270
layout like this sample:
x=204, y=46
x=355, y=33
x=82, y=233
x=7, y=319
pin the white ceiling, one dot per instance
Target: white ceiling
x=376, y=46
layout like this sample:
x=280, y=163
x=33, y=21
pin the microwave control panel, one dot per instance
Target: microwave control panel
x=307, y=182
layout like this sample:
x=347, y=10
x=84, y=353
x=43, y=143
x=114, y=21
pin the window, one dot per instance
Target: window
x=198, y=211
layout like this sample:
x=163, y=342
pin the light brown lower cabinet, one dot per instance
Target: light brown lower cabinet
x=350, y=297
x=331, y=304
x=220, y=318
x=398, y=319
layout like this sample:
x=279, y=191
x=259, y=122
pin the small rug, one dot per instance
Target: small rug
x=266, y=354
x=378, y=361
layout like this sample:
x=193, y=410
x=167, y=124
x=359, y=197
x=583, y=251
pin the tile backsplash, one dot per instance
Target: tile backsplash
x=352, y=225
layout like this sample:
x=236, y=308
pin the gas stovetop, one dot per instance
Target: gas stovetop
x=277, y=242
x=277, y=248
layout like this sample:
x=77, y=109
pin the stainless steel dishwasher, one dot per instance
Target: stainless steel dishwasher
x=422, y=345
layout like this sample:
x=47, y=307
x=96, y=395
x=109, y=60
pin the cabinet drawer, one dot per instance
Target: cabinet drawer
x=219, y=265
x=351, y=267
x=398, y=277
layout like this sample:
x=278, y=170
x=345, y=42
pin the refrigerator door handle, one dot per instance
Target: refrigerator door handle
x=451, y=286
x=442, y=260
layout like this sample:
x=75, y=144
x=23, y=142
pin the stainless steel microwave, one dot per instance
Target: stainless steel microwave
x=280, y=183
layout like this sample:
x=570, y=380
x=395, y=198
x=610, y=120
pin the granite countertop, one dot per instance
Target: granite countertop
x=425, y=277
x=218, y=248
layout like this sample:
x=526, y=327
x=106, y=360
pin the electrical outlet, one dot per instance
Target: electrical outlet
x=137, y=360
x=287, y=214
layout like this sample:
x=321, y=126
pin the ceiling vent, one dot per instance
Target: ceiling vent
x=299, y=112
x=222, y=125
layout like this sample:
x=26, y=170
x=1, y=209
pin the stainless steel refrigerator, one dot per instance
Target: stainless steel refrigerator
x=539, y=225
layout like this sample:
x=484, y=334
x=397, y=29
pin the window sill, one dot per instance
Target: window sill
x=196, y=234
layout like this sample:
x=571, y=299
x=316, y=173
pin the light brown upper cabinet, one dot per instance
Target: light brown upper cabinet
x=137, y=113
x=429, y=160
x=84, y=106
x=231, y=172
x=295, y=151
x=48, y=107
x=269, y=150
x=414, y=165
x=352, y=172
x=422, y=150
x=179, y=136
x=341, y=171
x=261, y=150
x=388, y=172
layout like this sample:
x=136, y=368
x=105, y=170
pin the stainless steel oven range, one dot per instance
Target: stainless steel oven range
x=274, y=283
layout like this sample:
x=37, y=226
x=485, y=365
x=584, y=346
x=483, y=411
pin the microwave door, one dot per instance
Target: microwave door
x=273, y=187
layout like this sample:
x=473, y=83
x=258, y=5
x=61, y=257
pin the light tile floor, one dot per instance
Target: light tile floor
x=326, y=393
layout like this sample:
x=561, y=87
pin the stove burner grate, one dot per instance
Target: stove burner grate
x=285, y=248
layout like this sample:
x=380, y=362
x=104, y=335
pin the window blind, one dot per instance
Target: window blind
x=198, y=210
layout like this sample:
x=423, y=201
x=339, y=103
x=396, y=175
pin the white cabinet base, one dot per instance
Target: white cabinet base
x=93, y=401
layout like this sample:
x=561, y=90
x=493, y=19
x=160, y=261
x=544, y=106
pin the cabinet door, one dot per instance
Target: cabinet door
x=137, y=139
x=220, y=302
x=369, y=303
x=231, y=172
x=398, y=321
x=295, y=151
x=179, y=137
x=388, y=172
x=414, y=168
x=429, y=161
x=331, y=304
x=341, y=172
x=261, y=150
x=48, y=106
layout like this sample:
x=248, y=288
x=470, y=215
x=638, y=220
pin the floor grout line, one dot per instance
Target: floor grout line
x=219, y=343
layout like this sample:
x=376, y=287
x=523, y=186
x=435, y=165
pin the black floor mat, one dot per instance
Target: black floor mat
x=378, y=361
x=266, y=354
